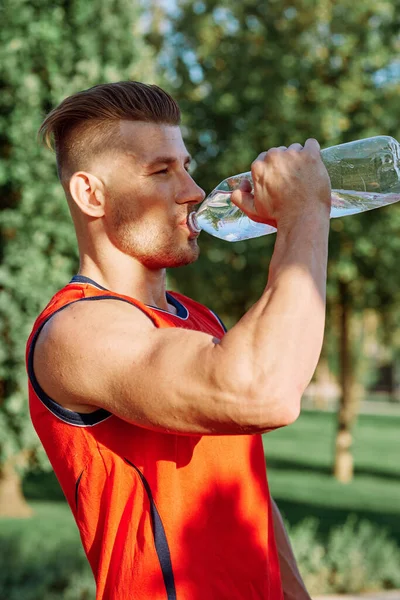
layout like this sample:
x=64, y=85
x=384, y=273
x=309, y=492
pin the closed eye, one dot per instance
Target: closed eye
x=166, y=170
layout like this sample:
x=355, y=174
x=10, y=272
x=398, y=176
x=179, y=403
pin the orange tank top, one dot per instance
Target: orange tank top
x=161, y=515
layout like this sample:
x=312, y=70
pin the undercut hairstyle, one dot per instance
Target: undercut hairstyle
x=85, y=124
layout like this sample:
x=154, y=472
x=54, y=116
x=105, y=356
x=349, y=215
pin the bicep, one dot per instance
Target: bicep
x=115, y=358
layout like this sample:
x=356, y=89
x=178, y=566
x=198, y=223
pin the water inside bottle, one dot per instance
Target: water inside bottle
x=345, y=202
x=222, y=219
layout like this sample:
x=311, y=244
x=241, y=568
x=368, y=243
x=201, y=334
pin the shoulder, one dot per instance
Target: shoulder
x=81, y=343
x=84, y=324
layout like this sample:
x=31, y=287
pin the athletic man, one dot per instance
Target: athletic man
x=149, y=412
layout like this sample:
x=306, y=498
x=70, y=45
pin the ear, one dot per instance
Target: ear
x=87, y=191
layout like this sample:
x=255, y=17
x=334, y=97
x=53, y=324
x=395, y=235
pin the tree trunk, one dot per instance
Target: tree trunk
x=344, y=468
x=325, y=385
x=12, y=501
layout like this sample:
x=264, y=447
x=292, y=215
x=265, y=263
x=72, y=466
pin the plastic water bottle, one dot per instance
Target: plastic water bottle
x=364, y=174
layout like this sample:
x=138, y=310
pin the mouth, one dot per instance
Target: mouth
x=186, y=223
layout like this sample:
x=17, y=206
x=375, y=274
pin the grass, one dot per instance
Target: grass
x=49, y=518
x=42, y=557
x=300, y=462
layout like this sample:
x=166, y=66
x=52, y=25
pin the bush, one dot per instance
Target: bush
x=42, y=558
x=52, y=571
x=358, y=557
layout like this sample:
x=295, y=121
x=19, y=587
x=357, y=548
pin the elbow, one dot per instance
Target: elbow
x=266, y=408
x=252, y=401
x=290, y=412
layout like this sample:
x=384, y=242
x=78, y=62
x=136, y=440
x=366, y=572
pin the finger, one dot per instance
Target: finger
x=276, y=150
x=295, y=146
x=312, y=145
x=262, y=155
x=245, y=202
x=245, y=186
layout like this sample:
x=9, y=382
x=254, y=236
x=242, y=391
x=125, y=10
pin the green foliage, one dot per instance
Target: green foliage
x=358, y=557
x=43, y=558
x=252, y=75
x=299, y=466
x=346, y=538
x=48, y=50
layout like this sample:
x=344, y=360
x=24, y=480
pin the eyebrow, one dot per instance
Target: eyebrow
x=166, y=160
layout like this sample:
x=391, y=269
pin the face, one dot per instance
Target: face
x=149, y=194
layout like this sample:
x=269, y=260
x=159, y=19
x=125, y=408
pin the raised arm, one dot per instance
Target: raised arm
x=108, y=354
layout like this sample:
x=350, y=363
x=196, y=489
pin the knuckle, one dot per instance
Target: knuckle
x=272, y=155
x=257, y=167
x=312, y=157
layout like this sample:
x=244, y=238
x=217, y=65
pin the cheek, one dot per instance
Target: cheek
x=155, y=218
x=150, y=213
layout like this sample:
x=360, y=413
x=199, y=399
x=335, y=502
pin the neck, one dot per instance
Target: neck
x=130, y=278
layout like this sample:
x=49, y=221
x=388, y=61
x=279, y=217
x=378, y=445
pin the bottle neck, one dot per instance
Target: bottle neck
x=193, y=223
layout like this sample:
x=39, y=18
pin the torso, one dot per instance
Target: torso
x=160, y=515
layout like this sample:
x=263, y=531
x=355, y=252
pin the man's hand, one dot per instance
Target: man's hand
x=288, y=182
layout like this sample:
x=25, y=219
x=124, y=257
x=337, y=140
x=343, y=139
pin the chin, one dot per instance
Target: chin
x=173, y=258
x=186, y=258
x=182, y=255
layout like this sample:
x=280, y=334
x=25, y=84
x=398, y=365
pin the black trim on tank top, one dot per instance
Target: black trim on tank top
x=219, y=320
x=160, y=539
x=76, y=490
x=181, y=310
x=69, y=416
x=84, y=279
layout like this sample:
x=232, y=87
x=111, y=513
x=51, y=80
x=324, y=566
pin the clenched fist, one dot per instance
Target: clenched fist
x=288, y=183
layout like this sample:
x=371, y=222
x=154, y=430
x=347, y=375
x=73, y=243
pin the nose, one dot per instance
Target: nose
x=190, y=192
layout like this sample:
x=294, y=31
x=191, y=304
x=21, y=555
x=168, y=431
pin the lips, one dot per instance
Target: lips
x=184, y=223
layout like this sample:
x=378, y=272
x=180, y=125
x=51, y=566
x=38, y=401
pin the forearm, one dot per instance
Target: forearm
x=292, y=583
x=279, y=339
x=295, y=298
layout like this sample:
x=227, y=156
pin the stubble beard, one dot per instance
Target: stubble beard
x=165, y=256
x=148, y=245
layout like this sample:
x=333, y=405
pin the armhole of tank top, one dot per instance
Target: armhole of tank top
x=64, y=414
x=220, y=322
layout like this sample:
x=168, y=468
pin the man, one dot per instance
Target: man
x=149, y=412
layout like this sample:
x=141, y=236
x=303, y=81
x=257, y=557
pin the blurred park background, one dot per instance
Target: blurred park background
x=248, y=75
